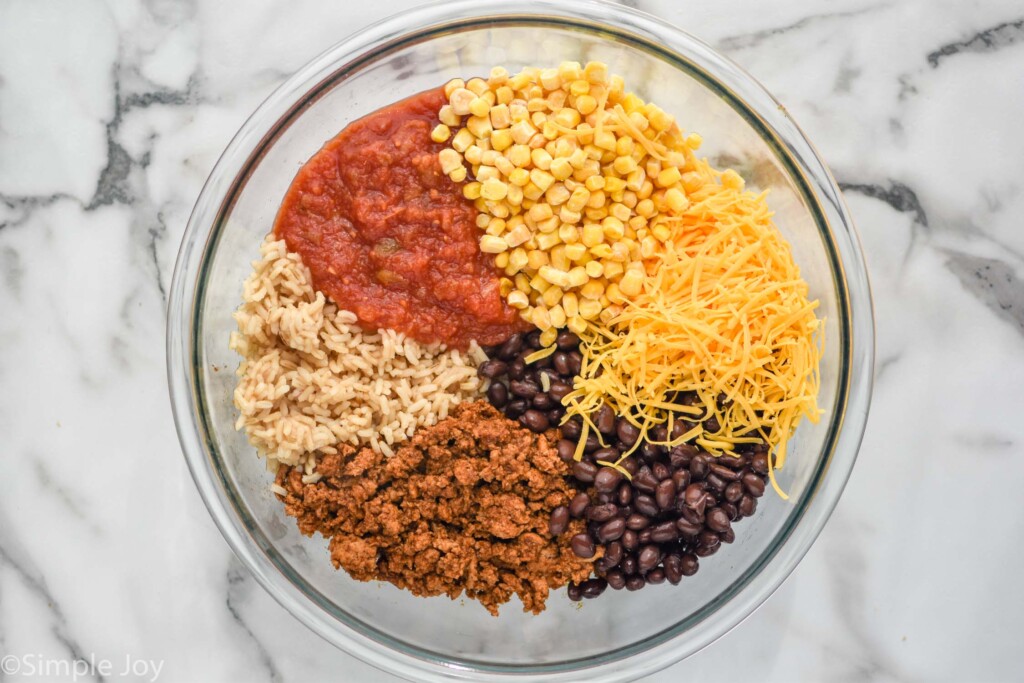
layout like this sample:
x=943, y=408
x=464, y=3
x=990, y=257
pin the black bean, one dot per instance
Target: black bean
x=631, y=465
x=611, y=530
x=625, y=492
x=566, y=450
x=606, y=455
x=656, y=576
x=681, y=478
x=591, y=588
x=533, y=339
x=607, y=479
x=574, y=592
x=708, y=539
x=516, y=408
x=673, y=568
x=492, y=368
x=559, y=520
x=523, y=388
x=602, y=513
x=733, y=492
x=695, y=498
x=648, y=558
x=613, y=553
x=616, y=579
x=718, y=520
x=578, y=505
x=759, y=463
x=747, y=506
x=692, y=516
x=627, y=433
x=698, y=465
x=660, y=433
x=512, y=347
x=706, y=550
x=644, y=480
x=644, y=536
x=582, y=546
x=635, y=583
x=630, y=541
x=572, y=429
x=645, y=505
x=497, y=394
x=710, y=499
x=661, y=471
x=650, y=452
x=664, y=532
x=681, y=455
x=753, y=484
x=734, y=462
x=567, y=341
x=689, y=564
x=605, y=499
x=584, y=471
x=727, y=536
x=592, y=443
x=517, y=369
x=628, y=565
x=687, y=528
x=712, y=426
x=637, y=522
x=535, y=421
x=575, y=362
x=604, y=419
x=665, y=494
x=724, y=472
x=543, y=401
x=680, y=427
x=715, y=482
x=731, y=510
x=559, y=390
x=560, y=362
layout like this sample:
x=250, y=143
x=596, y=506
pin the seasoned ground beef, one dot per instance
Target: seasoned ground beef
x=463, y=507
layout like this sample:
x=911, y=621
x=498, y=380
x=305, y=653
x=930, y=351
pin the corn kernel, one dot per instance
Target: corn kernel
x=542, y=179
x=501, y=261
x=570, y=304
x=620, y=211
x=661, y=232
x=552, y=296
x=493, y=189
x=462, y=140
x=547, y=240
x=453, y=85
x=558, y=319
x=612, y=270
x=596, y=72
x=732, y=180
x=489, y=244
x=668, y=177
x=676, y=200
x=449, y=160
x=553, y=275
x=594, y=183
x=568, y=233
x=541, y=318
x=477, y=86
x=539, y=284
x=592, y=290
x=522, y=132
x=622, y=165
x=605, y=140
x=631, y=283
x=458, y=175
x=561, y=168
x=518, y=299
x=594, y=269
x=550, y=79
x=515, y=196
x=577, y=324
x=576, y=251
x=517, y=235
x=537, y=259
x=590, y=309
x=460, y=100
x=501, y=140
x=593, y=234
x=694, y=141
x=586, y=104
x=548, y=337
x=613, y=228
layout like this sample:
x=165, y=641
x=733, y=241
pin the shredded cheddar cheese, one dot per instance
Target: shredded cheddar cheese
x=723, y=313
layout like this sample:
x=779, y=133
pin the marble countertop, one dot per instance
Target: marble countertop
x=111, y=116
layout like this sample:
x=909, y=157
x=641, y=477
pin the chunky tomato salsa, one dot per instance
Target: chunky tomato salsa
x=390, y=237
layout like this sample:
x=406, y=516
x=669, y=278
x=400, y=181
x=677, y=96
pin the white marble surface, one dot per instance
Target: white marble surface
x=111, y=116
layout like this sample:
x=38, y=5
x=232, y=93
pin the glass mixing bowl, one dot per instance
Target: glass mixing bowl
x=622, y=634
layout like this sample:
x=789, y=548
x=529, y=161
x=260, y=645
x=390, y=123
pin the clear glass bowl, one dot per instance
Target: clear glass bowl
x=622, y=634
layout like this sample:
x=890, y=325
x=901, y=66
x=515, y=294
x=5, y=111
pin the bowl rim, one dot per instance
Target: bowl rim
x=753, y=586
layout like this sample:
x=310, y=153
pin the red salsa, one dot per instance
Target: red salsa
x=390, y=237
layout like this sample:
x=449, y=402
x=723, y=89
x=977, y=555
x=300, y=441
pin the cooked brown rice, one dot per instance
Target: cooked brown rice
x=311, y=379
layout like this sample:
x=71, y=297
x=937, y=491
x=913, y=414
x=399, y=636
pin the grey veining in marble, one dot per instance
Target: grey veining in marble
x=112, y=115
